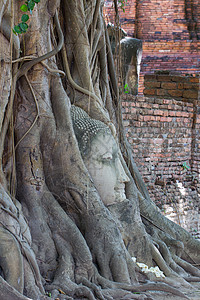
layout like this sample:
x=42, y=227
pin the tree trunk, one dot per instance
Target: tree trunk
x=62, y=240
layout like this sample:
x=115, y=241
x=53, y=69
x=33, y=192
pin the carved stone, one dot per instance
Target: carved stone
x=131, y=56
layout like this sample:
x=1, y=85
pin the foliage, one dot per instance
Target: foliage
x=122, y=4
x=126, y=89
x=23, y=26
x=185, y=166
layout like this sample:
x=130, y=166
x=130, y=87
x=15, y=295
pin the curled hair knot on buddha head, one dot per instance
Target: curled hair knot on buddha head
x=86, y=129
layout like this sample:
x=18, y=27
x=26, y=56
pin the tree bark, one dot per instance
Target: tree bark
x=64, y=240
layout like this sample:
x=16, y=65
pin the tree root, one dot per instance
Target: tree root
x=9, y=293
x=92, y=292
x=11, y=260
x=164, y=250
x=192, y=279
x=76, y=291
x=157, y=286
x=120, y=294
x=94, y=287
x=161, y=262
x=187, y=266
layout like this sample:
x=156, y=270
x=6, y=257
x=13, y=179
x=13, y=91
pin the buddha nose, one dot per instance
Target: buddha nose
x=122, y=174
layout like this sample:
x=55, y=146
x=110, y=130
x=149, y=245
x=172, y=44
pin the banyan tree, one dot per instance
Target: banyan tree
x=67, y=229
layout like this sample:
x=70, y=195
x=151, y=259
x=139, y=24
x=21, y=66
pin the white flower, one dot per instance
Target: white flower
x=134, y=259
x=157, y=271
x=144, y=268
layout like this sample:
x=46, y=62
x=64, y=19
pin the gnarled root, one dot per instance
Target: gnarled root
x=163, y=287
x=11, y=260
x=9, y=293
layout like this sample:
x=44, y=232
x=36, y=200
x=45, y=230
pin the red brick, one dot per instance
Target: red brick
x=149, y=92
x=178, y=78
x=151, y=84
x=191, y=86
x=168, y=85
x=186, y=120
x=185, y=114
x=175, y=93
x=167, y=101
x=164, y=119
x=180, y=85
x=149, y=118
x=158, y=112
x=140, y=118
x=133, y=110
x=190, y=94
x=160, y=92
x=166, y=113
x=158, y=119
x=146, y=105
x=164, y=78
x=178, y=113
x=150, y=77
x=195, y=79
x=172, y=113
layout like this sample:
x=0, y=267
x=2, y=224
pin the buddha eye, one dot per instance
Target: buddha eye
x=107, y=158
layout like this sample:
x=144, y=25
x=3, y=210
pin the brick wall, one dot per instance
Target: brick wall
x=164, y=132
x=158, y=19
x=170, y=31
x=168, y=85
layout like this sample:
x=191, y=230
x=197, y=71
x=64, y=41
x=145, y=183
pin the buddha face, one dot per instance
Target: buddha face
x=106, y=170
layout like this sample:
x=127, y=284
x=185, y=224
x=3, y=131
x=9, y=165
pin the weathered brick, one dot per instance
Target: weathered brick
x=163, y=78
x=152, y=84
x=149, y=118
x=150, y=77
x=178, y=78
x=166, y=113
x=190, y=94
x=195, y=79
x=175, y=93
x=164, y=119
x=158, y=112
x=167, y=101
x=172, y=113
x=168, y=85
x=178, y=113
x=149, y=92
x=160, y=92
x=133, y=110
x=180, y=85
x=191, y=86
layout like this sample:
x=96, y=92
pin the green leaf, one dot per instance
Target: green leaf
x=23, y=27
x=126, y=89
x=24, y=8
x=36, y=1
x=136, y=292
x=31, y=5
x=17, y=29
x=185, y=166
x=14, y=32
x=25, y=18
